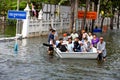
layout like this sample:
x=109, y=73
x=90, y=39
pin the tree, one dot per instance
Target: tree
x=72, y=2
x=117, y=3
x=105, y=8
x=10, y=5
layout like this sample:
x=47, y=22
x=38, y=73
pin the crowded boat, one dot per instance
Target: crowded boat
x=73, y=43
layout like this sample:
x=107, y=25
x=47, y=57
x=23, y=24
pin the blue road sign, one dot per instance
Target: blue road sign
x=12, y=14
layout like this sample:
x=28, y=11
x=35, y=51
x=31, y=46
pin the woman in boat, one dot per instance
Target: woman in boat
x=101, y=49
x=87, y=45
x=95, y=40
x=84, y=35
x=90, y=37
x=83, y=48
x=77, y=47
x=70, y=45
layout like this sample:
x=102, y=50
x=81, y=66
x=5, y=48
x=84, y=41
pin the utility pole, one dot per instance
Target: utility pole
x=76, y=15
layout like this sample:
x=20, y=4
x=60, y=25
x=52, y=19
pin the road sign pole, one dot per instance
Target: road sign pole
x=16, y=44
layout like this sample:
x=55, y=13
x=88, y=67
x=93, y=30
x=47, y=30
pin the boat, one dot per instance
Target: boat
x=80, y=55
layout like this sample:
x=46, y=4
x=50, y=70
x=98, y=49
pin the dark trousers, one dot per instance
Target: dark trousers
x=100, y=57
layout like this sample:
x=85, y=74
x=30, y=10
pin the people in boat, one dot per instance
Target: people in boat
x=87, y=45
x=61, y=46
x=74, y=35
x=84, y=35
x=90, y=37
x=70, y=45
x=95, y=40
x=101, y=49
x=77, y=47
x=83, y=48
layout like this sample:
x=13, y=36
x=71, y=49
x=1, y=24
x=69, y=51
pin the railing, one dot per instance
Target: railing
x=38, y=27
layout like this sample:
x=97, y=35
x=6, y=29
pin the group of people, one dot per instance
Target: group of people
x=74, y=42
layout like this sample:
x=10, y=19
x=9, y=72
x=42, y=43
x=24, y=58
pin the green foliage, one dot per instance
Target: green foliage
x=10, y=31
x=23, y=5
x=83, y=5
x=110, y=6
x=11, y=22
x=110, y=15
x=10, y=5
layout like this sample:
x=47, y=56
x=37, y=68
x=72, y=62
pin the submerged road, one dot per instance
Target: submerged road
x=31, y=62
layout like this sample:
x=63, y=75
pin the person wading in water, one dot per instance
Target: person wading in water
x=101, y=49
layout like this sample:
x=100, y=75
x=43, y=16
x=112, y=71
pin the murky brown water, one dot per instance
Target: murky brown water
x=32, y=62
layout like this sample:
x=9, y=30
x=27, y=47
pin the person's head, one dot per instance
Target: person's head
x=83, y=31
x=90, y=34
x=53, y=31
x=69, y=37
x=61, y=40
x=81, y=43
x=94, y=36
x=76, y=39
x=86, y=39
x=101, y=39
x=84, y=35
x=69, y=40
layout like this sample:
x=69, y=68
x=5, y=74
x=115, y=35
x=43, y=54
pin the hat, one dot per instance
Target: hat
x=65, y=34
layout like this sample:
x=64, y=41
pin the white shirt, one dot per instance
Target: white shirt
x=70, y=47
x=102, y=47
x=74, y=35
x=90, y=38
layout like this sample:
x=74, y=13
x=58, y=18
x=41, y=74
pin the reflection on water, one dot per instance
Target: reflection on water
x=31, y=62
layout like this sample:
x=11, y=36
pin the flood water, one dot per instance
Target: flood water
x=31, y=62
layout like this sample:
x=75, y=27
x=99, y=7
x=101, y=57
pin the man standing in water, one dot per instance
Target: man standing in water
x=51, y=41
x=101, y=49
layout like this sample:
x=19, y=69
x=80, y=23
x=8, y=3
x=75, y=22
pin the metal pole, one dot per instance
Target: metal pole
x=16, y=44
x=17, y=19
